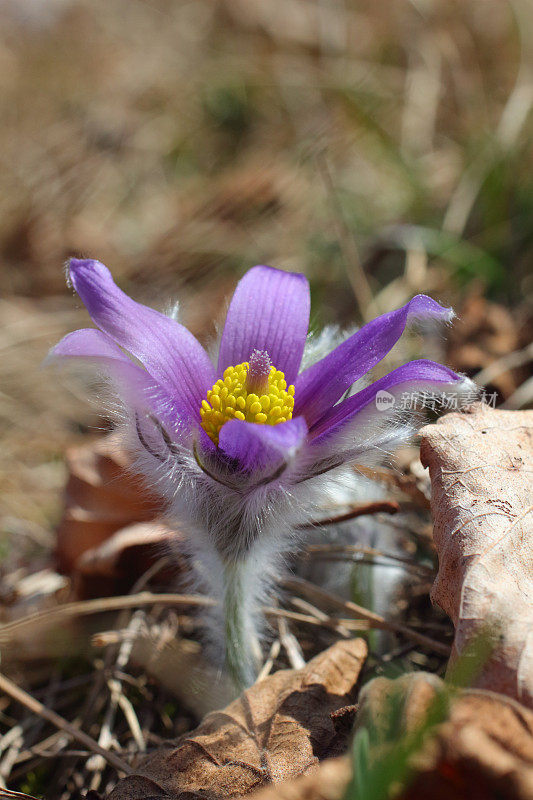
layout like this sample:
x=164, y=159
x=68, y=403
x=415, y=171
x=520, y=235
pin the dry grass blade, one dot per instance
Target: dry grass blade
x=522, y=397
x=354, y=268
x=324, y=619
x=274, y=652
x=376, y=620
x=335, y=550
x=100, y=605
x=12, y=631
x=117, y=699
x=291, y=645
x=511, y=360
x=33, y=705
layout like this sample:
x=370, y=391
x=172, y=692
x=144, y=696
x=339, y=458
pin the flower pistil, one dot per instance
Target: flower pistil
x=254, y=391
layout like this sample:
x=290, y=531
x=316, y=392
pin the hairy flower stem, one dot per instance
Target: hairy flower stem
x=241, y=638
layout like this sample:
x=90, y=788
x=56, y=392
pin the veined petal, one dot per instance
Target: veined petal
x=269, y=311
x=88, y=343
x=139, y=389
x=416, y=376
x=322, y=384
x=262, y=447
x=170, y=353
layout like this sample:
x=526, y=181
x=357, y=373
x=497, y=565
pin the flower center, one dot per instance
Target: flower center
x=254, y=391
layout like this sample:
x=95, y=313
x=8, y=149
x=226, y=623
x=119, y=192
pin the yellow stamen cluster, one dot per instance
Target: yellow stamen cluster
x=229, y=399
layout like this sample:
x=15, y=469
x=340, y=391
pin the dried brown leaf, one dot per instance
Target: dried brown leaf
x=280, y=728
x=129, y=551
x=328, y=782
x=481, y=464
x=101, y=497
x=180, y=667
x=484, y=751
x=99, y=541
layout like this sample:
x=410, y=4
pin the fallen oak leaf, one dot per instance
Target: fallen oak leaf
x=328, y=782
x=480, y=464
x=101, y=497
x=480, y=744
x=279, y=728
x=482, y=751
x=131, y=550
x=110, y=532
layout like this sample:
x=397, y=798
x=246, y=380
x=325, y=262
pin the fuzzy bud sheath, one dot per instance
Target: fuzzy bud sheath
x=245, y=450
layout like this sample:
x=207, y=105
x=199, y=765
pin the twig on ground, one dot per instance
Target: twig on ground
x=266, y=669
x=100, y=605
x=96, y=763
x=291, y=645
x=87, y=607
x=334, y=550
x=311, y=590
x=322, y=617
x=36, y=707
x=383, y=506
x=509, y=361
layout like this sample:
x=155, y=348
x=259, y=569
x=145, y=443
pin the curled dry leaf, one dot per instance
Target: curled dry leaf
x=483, y=750
x=100, y=541
x=129, y=552
x=328, y=782
x=179, y=666
x=481, y=465
x=279, y=728
x=101, y=497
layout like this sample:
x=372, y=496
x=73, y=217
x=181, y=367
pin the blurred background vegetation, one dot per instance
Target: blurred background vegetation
x=382, y=148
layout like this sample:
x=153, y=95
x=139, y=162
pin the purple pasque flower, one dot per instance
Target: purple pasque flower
x=245, y=448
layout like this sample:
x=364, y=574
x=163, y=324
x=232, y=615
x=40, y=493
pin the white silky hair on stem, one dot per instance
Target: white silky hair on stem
x=237, y=528
x=237, y=541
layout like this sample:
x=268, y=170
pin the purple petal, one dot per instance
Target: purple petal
x=416, y=376
x=269, y=311
x=88, y=343
x=261, y=447
x=322, y=384
x=137, y=387
x=169, y=351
